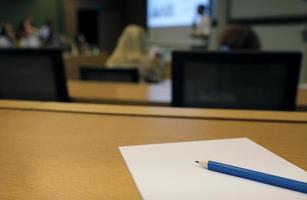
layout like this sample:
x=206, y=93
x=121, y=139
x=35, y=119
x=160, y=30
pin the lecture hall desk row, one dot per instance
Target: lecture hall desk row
x=70, y=151
x=138, y=94
x=74, y=62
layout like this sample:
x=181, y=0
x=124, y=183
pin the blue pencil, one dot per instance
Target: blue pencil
x=255, y=175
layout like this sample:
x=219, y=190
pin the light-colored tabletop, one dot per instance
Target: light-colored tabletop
x=70, y=151
x=74, y=62
x=120, y=93
x=158, y=94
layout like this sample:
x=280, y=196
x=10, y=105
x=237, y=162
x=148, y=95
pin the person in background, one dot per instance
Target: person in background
x=1, y=25
x=7, y=36
x=27, y=34
x=202, y=23
x=82, y=44
x=131, y=52
x=239, y=37
x=47, y=33
x=68, y=45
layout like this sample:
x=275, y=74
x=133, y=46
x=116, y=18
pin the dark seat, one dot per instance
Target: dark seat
x=109, y=74
x=32, y=74
x=236, y=80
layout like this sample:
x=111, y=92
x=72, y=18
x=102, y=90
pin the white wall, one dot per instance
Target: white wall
x=241, y=9
x=281, y=37
x=284, y=38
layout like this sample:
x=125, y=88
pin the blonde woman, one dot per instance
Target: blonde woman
x=131, y=52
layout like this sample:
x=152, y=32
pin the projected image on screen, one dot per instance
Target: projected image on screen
x=168, y=13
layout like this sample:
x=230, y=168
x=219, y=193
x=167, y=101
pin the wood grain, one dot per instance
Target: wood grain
x=148, y=111
x=73, y=63
x=69, y=155
x=120, y=93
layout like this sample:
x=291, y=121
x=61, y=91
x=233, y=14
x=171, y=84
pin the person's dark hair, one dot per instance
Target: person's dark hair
x=3, y=31
x=239, y=37
x=1, y=26
x=21, y=28
x=49, y=23
x=201, y=9
x=20, y=31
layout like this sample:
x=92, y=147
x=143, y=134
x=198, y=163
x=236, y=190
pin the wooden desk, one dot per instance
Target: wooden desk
x=120, y=93
x=302, y=97
x=70, y=151
x=73, y=63
x=138, y=94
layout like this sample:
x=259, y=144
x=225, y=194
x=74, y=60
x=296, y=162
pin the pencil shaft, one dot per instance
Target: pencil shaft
x=258, y=176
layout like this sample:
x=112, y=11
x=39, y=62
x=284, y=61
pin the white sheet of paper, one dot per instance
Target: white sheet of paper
x=168, y=171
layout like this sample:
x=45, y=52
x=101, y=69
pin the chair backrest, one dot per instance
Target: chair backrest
x=109, y=74
x=32, y=74
x=236, y=80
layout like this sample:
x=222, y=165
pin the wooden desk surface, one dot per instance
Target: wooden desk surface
x=137, y=94
x=120, y=93
x=73, y=63
x=58, y=152
x=149, y=111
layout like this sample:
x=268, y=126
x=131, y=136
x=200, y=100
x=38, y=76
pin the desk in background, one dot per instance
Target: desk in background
x=70, y=151
x=73, y=63
x=120, y=93
x=138, y=94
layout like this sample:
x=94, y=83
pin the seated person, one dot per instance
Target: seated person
x=1, y=25
x=47, y=34
x=7, y=36
x=28, y=35
x=237, y=37
x=131, y=52
x=82, y=44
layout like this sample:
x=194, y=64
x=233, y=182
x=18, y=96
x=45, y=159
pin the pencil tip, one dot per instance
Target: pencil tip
x=197, y=162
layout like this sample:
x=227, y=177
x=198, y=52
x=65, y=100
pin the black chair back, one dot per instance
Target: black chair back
x=236, y=80
x=32, y=74
x=109, y=74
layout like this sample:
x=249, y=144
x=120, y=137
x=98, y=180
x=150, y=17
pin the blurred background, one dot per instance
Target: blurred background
x=101, y=33
x=279, y=23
